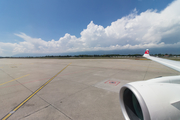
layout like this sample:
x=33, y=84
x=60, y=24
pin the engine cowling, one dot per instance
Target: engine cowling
x=155, y=99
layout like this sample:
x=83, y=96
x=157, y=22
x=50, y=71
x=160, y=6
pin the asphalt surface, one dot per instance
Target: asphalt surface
x=69, y=89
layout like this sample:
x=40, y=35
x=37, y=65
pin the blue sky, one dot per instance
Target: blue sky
x=58, y=26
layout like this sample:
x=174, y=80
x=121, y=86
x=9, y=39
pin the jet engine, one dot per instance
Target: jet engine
x=154, y=99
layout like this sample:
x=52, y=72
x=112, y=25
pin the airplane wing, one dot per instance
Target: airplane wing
x=154, y=99
x=169, y=63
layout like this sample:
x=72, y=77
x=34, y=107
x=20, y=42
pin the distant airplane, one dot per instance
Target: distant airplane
x=154, y=99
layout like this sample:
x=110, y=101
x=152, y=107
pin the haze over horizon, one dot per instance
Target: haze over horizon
x=59, y=27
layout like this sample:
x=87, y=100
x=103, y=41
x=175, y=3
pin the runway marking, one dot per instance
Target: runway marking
x=112, y=82
x=112, y=85
x=23, y=102
x=14, y=79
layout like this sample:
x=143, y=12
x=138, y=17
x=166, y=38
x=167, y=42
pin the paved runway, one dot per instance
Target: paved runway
x=87, y=89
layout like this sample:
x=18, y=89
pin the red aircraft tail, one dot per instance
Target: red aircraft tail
x=146, y=54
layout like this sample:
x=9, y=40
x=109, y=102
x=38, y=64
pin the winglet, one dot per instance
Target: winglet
x=146, y=54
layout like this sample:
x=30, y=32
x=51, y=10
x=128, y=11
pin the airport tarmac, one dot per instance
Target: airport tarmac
x=87, y=89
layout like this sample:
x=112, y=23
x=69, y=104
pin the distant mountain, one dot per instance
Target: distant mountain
x=29, y=55
x=121, y=52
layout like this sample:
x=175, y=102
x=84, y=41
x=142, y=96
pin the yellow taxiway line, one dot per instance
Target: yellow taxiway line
x=23, y=102
x=14, y=79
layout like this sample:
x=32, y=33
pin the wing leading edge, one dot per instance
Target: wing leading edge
x=169, y=63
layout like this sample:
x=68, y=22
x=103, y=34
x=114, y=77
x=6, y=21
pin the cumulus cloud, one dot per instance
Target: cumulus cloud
x=149, y=29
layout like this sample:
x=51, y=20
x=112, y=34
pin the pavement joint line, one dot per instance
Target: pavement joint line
x=65, y=98
x=54, y=108
x=88, y=86
x=61, y=112
x=147, y=69
x=29, y=97
x=7, y=74
x=34, y=112
x=14, y=79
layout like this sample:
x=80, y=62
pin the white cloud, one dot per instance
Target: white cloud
x=148, y=29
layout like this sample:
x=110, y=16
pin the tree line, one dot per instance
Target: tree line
x=95, y=56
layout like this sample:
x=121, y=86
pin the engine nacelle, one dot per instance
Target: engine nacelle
x=155, y=99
